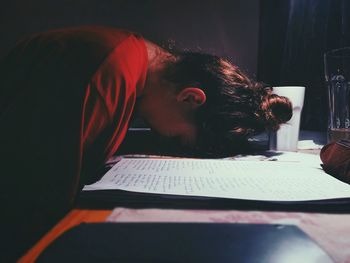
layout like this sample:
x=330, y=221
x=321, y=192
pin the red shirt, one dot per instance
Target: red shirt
x=66, y=98
x=110, y=98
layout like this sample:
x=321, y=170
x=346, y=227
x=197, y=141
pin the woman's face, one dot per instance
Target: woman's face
x=171, y=113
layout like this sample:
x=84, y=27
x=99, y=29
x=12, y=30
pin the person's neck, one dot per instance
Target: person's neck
x=157, y=57
x=155, y=82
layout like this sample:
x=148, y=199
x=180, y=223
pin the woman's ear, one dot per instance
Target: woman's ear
x=195, y=97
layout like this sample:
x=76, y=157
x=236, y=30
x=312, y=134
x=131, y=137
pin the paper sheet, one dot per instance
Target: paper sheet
x=256, y=180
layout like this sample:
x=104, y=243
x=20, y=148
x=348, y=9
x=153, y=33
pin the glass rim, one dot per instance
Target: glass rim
x=289, y=87
x=334, y=53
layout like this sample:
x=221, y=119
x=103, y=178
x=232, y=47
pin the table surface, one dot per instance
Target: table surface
x=330, y=231
x=73, y=218
x=77, y=216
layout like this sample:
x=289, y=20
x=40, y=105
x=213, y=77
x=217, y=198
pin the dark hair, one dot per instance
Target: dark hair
x=236, y=106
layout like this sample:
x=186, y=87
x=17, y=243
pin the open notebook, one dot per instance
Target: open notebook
x=263, y=181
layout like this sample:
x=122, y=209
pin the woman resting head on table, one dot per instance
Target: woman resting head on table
x=67, y=97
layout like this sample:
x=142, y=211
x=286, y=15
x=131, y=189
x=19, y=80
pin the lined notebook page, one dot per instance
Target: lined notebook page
x=252, y=180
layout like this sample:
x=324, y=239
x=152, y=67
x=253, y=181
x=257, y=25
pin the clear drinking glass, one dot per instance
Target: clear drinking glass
x=337, y=75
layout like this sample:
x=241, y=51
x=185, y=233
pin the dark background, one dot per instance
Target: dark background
x=293, y=36
x=225, y=28
x=277, y=42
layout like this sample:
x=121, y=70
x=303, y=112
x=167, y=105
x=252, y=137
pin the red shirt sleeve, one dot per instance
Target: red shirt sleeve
x=110, y=98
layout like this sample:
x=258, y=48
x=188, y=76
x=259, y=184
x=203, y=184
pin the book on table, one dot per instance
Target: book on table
x=222, y=180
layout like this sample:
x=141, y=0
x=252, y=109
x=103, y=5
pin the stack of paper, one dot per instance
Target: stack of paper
x=253, y=180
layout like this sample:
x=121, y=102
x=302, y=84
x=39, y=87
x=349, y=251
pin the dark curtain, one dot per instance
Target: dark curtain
x=294, y=34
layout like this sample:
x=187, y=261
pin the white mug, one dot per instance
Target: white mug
x=287, y=136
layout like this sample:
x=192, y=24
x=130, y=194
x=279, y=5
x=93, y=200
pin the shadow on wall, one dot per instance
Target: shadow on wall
x=229, y=28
